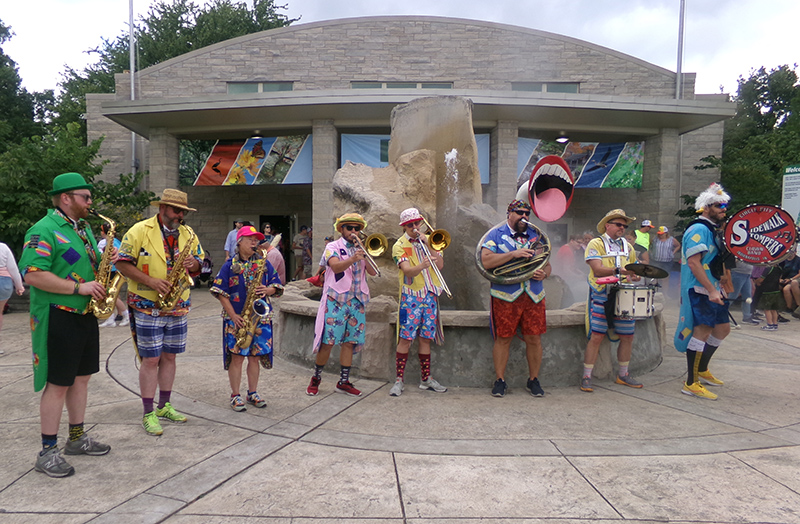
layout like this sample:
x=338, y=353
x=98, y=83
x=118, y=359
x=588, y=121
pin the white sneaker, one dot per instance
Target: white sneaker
x=432, y=385
x=109, y=322
x=397, y=389
x=126, y=319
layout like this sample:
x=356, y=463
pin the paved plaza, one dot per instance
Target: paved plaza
x=618, y=454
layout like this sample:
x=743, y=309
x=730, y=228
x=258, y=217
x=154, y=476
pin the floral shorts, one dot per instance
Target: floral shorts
x=344, y=322
x=523, y=313
x=418, y=316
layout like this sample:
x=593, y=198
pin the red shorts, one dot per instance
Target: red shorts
x=523, y=313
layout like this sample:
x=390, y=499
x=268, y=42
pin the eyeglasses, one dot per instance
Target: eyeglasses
x=352, y=228
x=619, y=224
x=415, y=224
x=721, y=205
x=522, y=213
x=86, y=198
x=178, y=210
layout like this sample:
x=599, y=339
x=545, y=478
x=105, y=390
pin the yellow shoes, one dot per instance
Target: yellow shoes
x=707, y=378
x=697, y=390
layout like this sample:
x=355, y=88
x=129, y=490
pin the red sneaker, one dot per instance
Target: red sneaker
x=313, y=387
x=348, y=389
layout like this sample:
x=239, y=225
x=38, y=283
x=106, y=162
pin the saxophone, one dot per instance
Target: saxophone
x=179, y=280
x=255, y=309
x=103, y=308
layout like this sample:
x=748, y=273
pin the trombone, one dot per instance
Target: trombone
x=376, y=244
x=439, y=240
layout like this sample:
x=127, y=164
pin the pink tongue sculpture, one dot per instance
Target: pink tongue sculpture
x=550, y=205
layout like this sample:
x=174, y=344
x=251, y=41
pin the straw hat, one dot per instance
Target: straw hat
x=611, y=215
x=174, y=198
x=350, y=218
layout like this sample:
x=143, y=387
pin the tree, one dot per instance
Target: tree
x=762, y=138
x=168, y=30
x=16, y=104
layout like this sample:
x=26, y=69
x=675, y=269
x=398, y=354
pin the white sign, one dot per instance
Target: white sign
x=791, y=191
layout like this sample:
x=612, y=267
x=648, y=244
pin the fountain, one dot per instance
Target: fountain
x=433, y=167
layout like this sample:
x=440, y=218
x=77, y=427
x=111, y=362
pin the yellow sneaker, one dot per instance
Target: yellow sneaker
x=707, y=378
x=697, y=390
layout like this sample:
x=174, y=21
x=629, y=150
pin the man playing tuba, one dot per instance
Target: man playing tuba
x=241, y=280
x=157, y=255
x=516, y=305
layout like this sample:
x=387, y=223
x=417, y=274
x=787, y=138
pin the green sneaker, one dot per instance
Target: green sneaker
x=169, y=413
x=151, y=425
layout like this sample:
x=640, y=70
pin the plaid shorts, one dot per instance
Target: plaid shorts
x=155, y=335
x=344, y=322
x=418, y=316
x=599, y=324
x=523, y=313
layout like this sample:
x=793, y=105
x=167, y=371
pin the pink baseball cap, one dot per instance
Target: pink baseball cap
x=249, y=231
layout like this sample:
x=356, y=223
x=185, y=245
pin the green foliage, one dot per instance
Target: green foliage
x=122, y=202
x=27, y=171
x=168, y=30
x=762, y=138
x=16, y=104
x=685, y=216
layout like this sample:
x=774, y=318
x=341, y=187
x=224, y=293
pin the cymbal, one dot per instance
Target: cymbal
x=646, y=271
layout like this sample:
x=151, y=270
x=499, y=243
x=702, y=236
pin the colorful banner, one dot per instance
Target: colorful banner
x=594, y=164
x=257, y=161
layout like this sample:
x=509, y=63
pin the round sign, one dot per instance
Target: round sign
x=761, y=234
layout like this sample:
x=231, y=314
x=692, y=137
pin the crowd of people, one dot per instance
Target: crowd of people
x=160, y=256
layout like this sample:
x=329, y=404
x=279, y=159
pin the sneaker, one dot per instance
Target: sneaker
x=348, y=389
x=500, y=388
x=758, y=315
x=708, y=378
x=398, y=388
x=255, y=399
x=169, y=413
x=782, y=319
x=118, y=318
x=51, y=463
x=627, y=380
x=751, y=321
x=697, y=390
x=313, y=387
x=109, y=322
x=237, y=403
x=770, y=327
x=586, y=384
x=737, y=326
x=796, y=313
x=151, y=425
x=86, y=445
x=534, y=387
x=126, y=320
x=432, y=385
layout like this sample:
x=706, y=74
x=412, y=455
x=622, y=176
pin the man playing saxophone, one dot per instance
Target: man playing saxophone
x=158, y=256
x=243, y=280
x=516, y=305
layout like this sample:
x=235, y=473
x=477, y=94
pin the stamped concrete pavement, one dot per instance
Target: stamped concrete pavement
x=649, y=455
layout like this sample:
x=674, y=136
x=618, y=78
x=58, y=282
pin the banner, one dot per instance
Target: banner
x=258, y=161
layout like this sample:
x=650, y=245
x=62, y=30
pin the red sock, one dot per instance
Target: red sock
x=425, y=366
x=400, y=363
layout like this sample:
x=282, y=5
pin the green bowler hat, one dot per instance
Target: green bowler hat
x=68, y=182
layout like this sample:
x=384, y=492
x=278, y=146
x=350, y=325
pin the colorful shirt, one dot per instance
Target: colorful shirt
x=234, y=285
x=612, y=253
x=410, y=250
x=144, y=245
x=699, y=239
x=501, y=240
x=351, y=283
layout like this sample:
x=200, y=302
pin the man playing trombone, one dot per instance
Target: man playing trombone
x=516, y=305
x=341, y=318
x=420, y=288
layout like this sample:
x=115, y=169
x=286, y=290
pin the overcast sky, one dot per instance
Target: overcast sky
x=724, y=39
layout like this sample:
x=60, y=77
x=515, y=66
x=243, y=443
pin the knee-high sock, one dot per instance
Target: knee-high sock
x=692, y=362
x=425, y=367
x=705, y=358
x=400, y=363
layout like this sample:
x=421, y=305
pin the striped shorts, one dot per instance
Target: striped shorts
x=156, y=335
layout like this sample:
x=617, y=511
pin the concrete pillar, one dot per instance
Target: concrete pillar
x=502, y=165
x=658, y=196
x=164, y=161
x=325, y=164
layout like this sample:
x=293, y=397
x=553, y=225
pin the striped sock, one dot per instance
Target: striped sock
x=75, y=431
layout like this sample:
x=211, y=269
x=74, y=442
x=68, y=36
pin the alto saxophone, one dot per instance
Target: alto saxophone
x=179, y=280
x=104, y=307
x=255, y=309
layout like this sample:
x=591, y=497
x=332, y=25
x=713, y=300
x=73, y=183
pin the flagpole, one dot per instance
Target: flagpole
x=679, y=75
x=131, y=52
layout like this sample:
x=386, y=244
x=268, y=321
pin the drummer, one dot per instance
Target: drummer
x=607, y=256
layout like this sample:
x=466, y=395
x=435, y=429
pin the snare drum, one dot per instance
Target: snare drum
x=634, y=301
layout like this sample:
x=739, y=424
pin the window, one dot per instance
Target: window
x=546, y=87
x=237, y=88
x=401, y=85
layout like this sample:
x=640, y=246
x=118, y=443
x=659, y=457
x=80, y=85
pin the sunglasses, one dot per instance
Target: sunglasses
x=85, y=198
x=721, y=205
x=522, y=213
x=178, y=210
x=352, y=228
x=619, y=224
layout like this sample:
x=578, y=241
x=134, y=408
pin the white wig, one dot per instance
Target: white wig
x=713, y=195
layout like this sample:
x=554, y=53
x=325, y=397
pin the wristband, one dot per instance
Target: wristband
x=76, y=289
x=616, y=271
